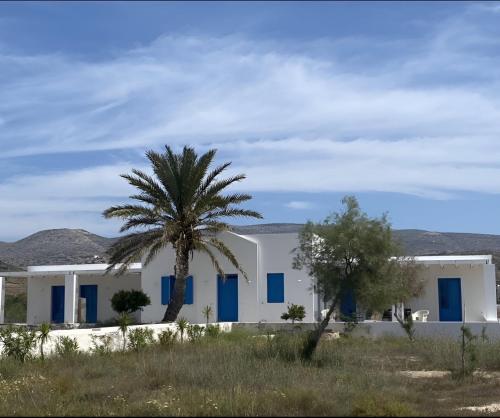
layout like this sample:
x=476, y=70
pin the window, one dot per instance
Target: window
x=167, y=290
x=275, y=287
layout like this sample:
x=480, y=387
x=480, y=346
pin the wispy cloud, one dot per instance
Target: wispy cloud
x=299, y=204
x=424, y=121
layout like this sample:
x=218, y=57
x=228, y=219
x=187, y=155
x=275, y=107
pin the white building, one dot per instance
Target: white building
x=57, y=293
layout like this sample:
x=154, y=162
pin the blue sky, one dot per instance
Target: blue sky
x=397, y=103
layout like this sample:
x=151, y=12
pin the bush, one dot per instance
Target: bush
x=101, y=344
x=129, y=301
x=167, y=338
x=18, y=342
x=371, y=405
x=294, y=313
x=282, y=346
x=212, y=331
x=182, y=324
x=140, y=338
x=194, y=333
x=66, y=346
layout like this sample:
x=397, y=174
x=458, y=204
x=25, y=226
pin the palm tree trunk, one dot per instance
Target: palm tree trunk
x=182, y=269
x=313, y=338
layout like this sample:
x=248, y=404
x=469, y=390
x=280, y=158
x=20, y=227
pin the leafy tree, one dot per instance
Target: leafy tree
x=350, y=252
x=180, y=206
x=129, y=301
x=294, y=313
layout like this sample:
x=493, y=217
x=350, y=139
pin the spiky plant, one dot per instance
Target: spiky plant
x=181, y=206
x=43, y=337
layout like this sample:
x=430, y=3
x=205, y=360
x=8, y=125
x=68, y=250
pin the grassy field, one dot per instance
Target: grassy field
x=238, y=374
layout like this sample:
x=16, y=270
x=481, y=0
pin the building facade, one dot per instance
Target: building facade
x=456, y=287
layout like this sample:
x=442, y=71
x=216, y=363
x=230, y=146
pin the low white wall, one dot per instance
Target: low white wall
x=84, y=337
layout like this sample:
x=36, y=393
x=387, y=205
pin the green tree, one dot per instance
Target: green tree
x=350, y=252
x=129, y=301
x=294, y=313
x=181, y=206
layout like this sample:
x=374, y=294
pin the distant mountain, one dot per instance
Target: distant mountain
x=76, y=246
x=56, y=246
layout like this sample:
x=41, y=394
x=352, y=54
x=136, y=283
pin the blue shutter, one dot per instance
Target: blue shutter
x=188, y=295
x=275, y=287
x=165, y=290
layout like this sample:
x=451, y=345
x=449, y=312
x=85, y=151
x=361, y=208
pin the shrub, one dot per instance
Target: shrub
x=18, y=342
x=101, y=344
x=212, y=331
x=182, y=324
x=370, y=405
x=282, y=346
x=140, y=338
x=66, y=346
x=194, y=332
x=294, y=313
x=43, y=337
x=167, y=338
x=207, y=313
x=129, y=301
x=123, y=323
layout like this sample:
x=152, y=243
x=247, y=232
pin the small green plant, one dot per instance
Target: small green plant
x=101, y=344
x=167, y=338
x=294, y=313
x=140, y=338
x=212, y=331
x=123, y=323
x=129, y=301
x=468, y=355
x=182, y=324
x=194, y=333
x=43, y=337
x=207, y=313
x=66, y=346
x=18, y=342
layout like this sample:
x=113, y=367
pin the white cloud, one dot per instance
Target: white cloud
x=423, y=121
x=299, y=204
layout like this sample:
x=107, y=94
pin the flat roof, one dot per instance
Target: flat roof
x=454, y=259
x=63, y=269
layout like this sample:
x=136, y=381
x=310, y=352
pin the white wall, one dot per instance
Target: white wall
x=39, y=294
x=275, y=257
x=477, y=284
x=205, y=281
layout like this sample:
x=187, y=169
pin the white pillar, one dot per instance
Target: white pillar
x=2, y=300
x=70, y=298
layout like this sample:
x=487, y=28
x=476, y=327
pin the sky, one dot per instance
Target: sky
x=397, y=103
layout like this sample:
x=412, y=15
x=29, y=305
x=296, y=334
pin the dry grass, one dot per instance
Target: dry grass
x=238, y=375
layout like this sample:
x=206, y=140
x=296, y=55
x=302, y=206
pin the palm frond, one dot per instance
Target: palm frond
x=226, y=252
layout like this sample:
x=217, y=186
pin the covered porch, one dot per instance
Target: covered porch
x=71, y=294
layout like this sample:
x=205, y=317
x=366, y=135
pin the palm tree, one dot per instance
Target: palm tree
x=182, y=206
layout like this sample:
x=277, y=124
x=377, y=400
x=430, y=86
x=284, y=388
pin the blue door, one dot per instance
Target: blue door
x=450, y=300
x=348, y=305
x=227, y=298
x=57, y=311
x=89, y=292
